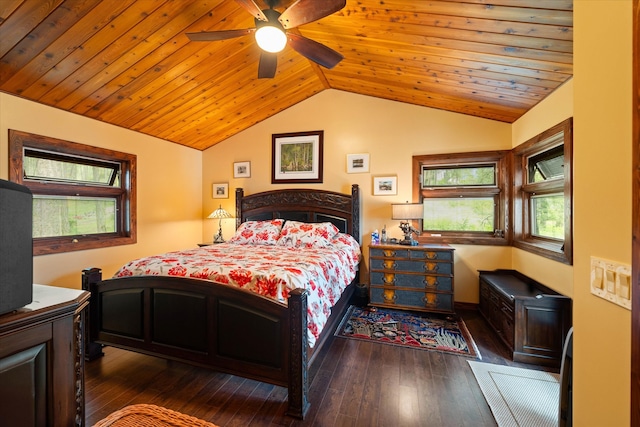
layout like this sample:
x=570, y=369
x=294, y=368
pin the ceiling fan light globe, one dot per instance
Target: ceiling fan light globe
x=271, y=39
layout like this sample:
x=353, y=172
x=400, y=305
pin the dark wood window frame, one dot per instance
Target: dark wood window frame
x=523, y=238
x=501, y=236
x=126, y=195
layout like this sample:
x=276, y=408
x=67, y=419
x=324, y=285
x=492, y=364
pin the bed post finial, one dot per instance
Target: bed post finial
x=239, y=196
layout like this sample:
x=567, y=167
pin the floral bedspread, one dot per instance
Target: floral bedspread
x=269, y=270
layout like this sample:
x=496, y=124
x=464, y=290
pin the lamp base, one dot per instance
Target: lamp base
x=217, y=238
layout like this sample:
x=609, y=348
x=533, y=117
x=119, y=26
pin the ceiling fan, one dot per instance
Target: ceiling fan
x=271, y=27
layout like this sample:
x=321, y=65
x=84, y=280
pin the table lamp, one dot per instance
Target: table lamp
x=220, y=214
x=406, y=212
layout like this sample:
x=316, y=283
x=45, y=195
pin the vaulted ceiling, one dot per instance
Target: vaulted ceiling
x=129, y=62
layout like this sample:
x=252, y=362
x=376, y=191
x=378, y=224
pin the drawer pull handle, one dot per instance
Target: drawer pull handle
x=389, y=296
x=430, y=282
x=431, y=255
x=390, y=264
x=389, y=253
x=430, y=300
x=389, y=279
x=431, y=266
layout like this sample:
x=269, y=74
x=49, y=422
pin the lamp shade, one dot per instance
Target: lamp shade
x=406, y=211
x=220, y=213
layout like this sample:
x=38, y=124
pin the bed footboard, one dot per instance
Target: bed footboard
x=202, y=323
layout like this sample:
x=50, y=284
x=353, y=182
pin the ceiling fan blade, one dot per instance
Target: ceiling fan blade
x=267, y=66
x=314, y=51
x=209, y=36
x=251, y=7
x=305, y=11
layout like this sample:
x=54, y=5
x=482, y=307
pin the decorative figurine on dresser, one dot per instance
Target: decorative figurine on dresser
x=411, y=277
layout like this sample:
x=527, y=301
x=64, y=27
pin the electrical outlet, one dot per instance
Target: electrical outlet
x=611, y=281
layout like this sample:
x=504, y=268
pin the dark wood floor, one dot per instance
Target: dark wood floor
x=353, y=383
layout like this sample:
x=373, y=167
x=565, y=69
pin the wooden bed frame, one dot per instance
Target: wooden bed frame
x=219, y=326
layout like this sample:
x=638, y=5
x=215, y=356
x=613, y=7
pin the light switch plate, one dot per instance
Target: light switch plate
x=611, y=281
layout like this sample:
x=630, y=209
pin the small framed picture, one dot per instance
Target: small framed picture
x=242, y=170
x=385, y=185
x=357, y=163
x=221, y=191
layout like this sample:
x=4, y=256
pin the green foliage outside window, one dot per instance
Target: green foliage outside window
x=459, y=214
x=458, y=176
x=548, y=216
x=72, y=216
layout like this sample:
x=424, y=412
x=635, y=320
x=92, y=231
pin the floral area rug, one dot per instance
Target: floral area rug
x=424, y=331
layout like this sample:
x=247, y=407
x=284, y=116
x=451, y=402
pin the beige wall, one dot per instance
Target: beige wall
x=602, y=153
x=169, y=188
x=391, y=133
x=553, y=110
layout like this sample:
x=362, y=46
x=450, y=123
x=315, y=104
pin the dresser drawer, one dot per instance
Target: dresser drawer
x=423, y=266
x=411, y=299
x=426, y=282
x=412, y=254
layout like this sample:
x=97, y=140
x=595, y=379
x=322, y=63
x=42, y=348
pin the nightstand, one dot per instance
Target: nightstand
x=411, y=277
x=208, y=243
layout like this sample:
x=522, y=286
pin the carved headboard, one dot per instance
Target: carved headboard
x=307, y=205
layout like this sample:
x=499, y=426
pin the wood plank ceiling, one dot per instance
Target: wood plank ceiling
x=129, y=63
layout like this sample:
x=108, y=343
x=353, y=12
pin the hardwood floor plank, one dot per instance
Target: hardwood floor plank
x=354, y=390
x=388, y=407
x=368, y=413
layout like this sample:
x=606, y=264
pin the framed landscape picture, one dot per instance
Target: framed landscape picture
x=297, y=157
x=242, y=170
x=357, y=163
x=385, y=185
x=221, y=190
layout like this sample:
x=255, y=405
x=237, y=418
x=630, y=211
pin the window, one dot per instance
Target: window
x=464, y=197
x=543, y=194
x=83, y=196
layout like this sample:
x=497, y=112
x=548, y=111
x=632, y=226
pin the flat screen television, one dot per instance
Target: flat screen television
x=16, y=246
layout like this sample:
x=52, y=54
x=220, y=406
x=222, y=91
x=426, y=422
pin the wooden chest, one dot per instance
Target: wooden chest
x=531, y=319
x=411, y=277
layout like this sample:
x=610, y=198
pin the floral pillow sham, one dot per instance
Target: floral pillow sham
x=307, y=235
x=258, y=232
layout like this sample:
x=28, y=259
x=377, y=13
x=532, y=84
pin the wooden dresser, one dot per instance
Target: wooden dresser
x=411, y=277
x=42, y=360
x=531, y=319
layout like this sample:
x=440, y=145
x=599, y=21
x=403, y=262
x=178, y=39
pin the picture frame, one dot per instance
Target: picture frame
x=297, y=157
x=242, y=170
x=221, y=190
x=385, y=185
x=358, y=163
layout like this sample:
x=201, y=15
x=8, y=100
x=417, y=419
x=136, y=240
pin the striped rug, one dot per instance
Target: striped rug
x=519, y=397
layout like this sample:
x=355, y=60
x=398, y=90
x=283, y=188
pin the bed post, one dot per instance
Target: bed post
x=239, y=196
x=355, y=211
x=90, y=277
x=298, y=376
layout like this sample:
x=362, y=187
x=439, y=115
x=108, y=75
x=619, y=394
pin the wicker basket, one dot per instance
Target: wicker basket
x=143, y=415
